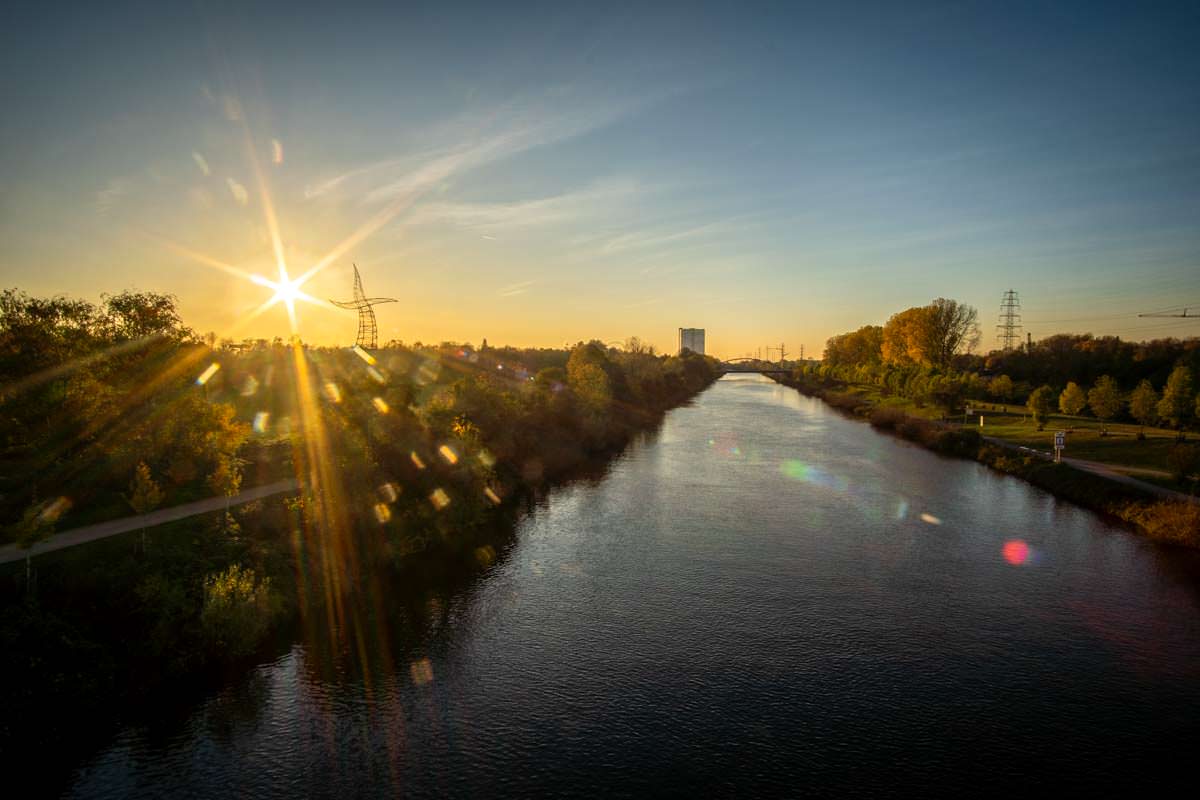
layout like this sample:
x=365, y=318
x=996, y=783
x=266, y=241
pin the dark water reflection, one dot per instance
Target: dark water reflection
x=763, y=598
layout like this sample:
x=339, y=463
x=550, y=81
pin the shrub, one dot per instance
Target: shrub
x=1183, y=461
x=1172, y=521
x=238, y=608
x=887, y=418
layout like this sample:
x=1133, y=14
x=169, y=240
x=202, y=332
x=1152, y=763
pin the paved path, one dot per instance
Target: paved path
x=1103, y=470
x=102, y=530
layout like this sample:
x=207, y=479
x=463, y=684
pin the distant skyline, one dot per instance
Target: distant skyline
x=537, y=174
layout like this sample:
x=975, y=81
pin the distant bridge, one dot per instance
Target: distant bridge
x=748, y=364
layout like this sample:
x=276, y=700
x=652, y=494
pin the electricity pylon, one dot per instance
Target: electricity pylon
x=1010, y=321
x=368, y=330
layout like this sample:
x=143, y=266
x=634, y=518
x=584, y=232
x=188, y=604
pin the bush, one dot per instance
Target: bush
x=887, y=418
x=1183, y=461
x=1172, y=521
x=964, y=443
x=238, y=609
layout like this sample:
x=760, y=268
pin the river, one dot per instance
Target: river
x=762, y=597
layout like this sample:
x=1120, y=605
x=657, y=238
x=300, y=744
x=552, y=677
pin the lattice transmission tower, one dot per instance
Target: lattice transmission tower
x=1009, y=328
x=368, y=330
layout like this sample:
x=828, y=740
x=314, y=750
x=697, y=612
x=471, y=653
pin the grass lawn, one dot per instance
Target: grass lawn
x=1145, y=459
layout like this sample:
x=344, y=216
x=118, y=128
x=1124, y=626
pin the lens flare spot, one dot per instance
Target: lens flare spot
x=276, y=151
x=381, y=405
x=448, y=455
x=1016, y=552
x=206, y=376
x=929, y=519
x=487, y=459
x=202, y=163
x=439, y=498
x=55, y=509
x=428, y=373
x=421, y=672
x=332, y=392
x=485, y=555
x=796, y=470
x=238, y=191
x=364, y=355
x=491, y=495
x=376, y=375
x=250, y=387
x=261, y=420
x=382, y=512
x=902, y=509
x=799, y=471
x=389, y=492
x=416, y=459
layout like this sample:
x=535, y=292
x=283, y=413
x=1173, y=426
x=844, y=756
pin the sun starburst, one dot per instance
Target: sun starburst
x=287, y=291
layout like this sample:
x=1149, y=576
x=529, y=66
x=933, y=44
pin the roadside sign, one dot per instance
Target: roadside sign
x=1060, y=440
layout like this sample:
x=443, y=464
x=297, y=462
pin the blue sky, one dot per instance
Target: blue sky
x=538, y=174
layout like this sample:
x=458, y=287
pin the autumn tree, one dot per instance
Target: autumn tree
x=1143, y=404
x=1072, y=400
x=1001, y=388
x=144, y=494
x=1176, y=403
x=1041, y=405
x=139, y=315
x=901, y=338
x=859, y=347
x=950, y=328
x=1105, y=398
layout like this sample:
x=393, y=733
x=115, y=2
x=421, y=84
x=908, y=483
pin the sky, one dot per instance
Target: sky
x=540, y=174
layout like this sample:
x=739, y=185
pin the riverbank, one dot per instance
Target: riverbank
x=430, y=461
x=1169, y=521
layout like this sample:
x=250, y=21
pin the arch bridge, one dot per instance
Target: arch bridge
x=750, y=364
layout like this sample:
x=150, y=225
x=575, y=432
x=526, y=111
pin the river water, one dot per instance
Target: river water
x=761, y=598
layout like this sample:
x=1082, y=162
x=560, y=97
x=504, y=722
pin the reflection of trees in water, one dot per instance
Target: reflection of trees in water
x=399, y=613
x=237, y=710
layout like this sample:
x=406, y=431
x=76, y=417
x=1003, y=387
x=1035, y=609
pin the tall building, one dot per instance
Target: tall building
x=692, y=339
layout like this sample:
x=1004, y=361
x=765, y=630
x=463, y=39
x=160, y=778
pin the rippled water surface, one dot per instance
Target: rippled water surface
x=761, y=598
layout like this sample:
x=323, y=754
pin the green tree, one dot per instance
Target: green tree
x=1072, y=400
x=1143, y=404
x=1177, y=401
x=1041, y=405
x=1105, y=398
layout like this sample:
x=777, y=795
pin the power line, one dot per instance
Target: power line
x=1159, y=314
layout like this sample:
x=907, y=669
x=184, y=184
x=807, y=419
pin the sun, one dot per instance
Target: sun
x=287, y=291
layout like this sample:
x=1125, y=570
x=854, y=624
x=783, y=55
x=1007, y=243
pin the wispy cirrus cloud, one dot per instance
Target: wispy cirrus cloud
x=112, y=193
x=476, y=140
x=491, y=218
x=515, y=289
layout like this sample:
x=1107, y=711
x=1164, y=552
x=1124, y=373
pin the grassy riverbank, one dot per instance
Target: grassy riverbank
x=1167, y=521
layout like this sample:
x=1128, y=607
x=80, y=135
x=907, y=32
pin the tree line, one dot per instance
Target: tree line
x=117, y=408
x=926, y=354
